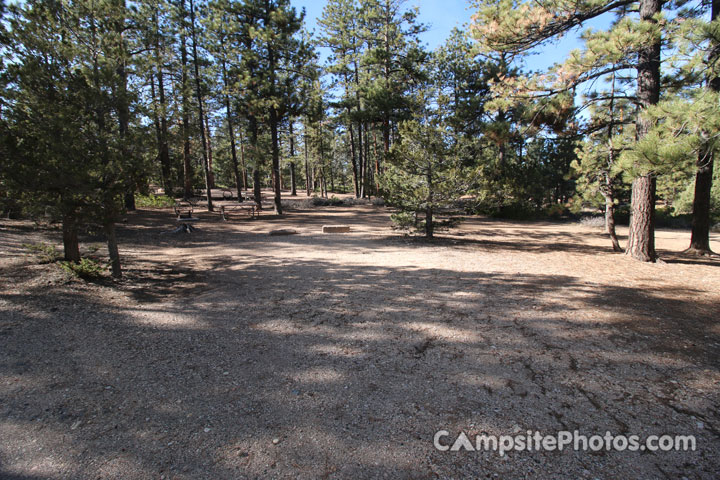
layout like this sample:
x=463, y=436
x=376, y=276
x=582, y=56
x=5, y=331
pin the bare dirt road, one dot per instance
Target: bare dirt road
x=228, y=353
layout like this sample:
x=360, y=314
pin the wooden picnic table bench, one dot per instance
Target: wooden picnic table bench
x=249, y=209
x=184, y=209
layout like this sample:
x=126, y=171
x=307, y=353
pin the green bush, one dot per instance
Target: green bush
x=326, y=202
x=555, y=210
x=86, y=268
x=44, y=253
x=155, y=201
x=683, y=204
x=403, y=220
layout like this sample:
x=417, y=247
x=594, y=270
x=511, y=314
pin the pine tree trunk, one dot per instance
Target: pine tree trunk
x=187, y=160
x=293, y=185
x=610, y=222
x=641, y=241
x=353, y=157
x=257, y=192
x=293, y=182
x=71, y=246
x=113, y=252
x=231, y=132
x=429, y=226
x=208, y=136
x=242, y=163
x=129, y=200
x=308, y=186
x=160, y=118
x=275, y=161
x=700, y=237
x=201, y=115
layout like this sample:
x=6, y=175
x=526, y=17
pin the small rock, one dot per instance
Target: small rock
x=275, y=441
x=207, y=429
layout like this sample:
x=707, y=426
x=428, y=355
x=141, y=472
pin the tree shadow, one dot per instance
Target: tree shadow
x=308, y=368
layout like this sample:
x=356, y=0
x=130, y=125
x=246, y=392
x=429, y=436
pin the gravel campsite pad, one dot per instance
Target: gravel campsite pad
x=230, y=353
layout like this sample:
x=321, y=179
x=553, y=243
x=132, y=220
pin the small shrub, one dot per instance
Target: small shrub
x=154, y=201
x=666, y=218
x=403, y=220
x=86, y=268
x=327, y=202
x=555, y=210
x=595, y=221
x=44, y=253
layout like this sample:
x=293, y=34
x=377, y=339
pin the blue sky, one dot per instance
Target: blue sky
x=443, y=15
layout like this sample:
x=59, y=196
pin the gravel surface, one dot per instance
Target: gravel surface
x=230, y=353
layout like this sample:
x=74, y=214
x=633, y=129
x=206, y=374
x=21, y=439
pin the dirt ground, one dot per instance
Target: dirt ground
x=229, y=353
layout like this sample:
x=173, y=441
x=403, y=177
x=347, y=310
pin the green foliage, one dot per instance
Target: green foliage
x=153, y=201
x=43, y=252
x=86, y=268
x=683, y=204
x=333, y=201
x=404, y=220
x=425, y=172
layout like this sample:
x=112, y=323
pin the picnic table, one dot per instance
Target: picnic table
x=184, y=209
x=250, y=209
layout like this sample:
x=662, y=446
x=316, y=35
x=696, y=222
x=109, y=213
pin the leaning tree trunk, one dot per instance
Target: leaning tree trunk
x=71, y=246
x=700, y=237
x=641, y=241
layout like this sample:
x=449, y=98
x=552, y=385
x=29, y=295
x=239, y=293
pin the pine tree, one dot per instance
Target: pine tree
x=68, y=81
x=279, y=54
x=507, y=26
x=425, y=172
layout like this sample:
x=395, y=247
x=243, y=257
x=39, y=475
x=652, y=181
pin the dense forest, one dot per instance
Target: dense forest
x=102, y=100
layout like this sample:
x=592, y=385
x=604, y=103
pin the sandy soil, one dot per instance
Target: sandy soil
x=229, y=353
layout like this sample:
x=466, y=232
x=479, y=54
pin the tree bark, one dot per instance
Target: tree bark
x=187, y=161
x=257, y=193
x=293, y=183
x=307, y=167
x=700, y=237
x=113, y=252
x=429, y=226
x=641, y=241
x=231, y=132
x=353, y=157
x=208, y=136
x=161, y=120
x=201, y=115
x=610, y=222
x=275, y=161
x=71, y=246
